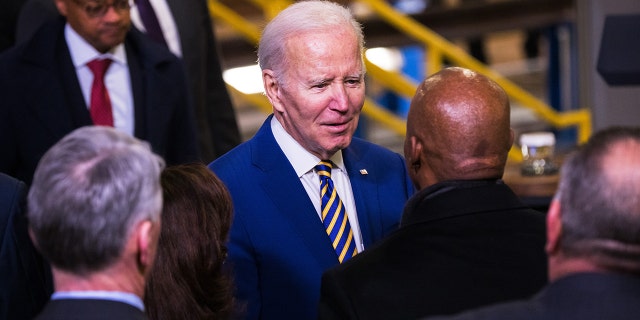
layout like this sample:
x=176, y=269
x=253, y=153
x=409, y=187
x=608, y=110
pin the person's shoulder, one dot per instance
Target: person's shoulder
x=7, y=181
x=235, y=161
x=366, y=148
x=261, y=145
x=37, y=50
x=98, y=309
x=12, y=193
x=364, y=153
x=10, y=187
x=523, y=310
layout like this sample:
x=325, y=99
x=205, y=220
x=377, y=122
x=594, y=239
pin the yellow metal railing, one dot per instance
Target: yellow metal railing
x=437, y=49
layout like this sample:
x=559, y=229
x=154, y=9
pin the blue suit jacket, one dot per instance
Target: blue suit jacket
x=25, y=278
x=42, y=100
x=278, y=247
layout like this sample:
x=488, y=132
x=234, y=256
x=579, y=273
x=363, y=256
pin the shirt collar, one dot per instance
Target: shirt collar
x=124, y=297
x=301, y=159
x=82, y=52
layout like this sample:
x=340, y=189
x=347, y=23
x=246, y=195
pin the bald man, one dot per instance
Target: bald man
x=465, y=239
x=592, y=238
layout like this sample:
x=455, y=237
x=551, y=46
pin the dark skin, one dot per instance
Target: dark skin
x=102, y=32
x=458, y=128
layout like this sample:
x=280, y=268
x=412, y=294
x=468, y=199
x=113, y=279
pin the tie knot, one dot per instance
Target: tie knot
x=324, y=168
x=99, y=67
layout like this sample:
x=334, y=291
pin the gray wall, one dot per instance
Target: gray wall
x=610, y=105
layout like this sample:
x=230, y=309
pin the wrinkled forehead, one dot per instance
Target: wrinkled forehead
x=310, y=47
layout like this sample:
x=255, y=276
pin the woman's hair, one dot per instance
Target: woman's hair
x=188, y=280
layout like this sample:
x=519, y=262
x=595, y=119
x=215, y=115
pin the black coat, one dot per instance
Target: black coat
x=90, y=309
x=584, y=296
x=461, y=244
x=25, y=277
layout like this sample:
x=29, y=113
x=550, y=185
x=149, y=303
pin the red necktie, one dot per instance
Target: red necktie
x=100, y=105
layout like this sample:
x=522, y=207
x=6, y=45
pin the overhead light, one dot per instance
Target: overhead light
x=386, y=58
x=247, y=80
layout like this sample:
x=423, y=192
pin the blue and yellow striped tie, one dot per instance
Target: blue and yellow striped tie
x=334, y=216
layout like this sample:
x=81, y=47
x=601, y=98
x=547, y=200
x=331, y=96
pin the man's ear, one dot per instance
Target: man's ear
x=413, y=156
x=413, y=152
x=554, y=227
x=147, y=241
x=33, y=239
x=272, y=89
x=62, y=7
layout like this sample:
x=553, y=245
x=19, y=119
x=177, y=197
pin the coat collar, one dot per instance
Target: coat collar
x=456, y=198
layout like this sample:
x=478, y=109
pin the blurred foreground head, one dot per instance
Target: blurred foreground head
x=94, y=207
x=593, y=222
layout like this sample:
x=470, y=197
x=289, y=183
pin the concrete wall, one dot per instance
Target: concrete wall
x=610, y=105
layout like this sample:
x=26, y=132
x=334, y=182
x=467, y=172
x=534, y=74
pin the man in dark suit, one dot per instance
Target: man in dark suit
x=94, y=213
x=24, y=275
x=46, y=86
x=188, y=32
x=313, y=74
x=593, y=242
x=465, y=239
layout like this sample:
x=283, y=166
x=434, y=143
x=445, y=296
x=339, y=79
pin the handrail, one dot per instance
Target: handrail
x=437, y=48
x=580, y=118
x=220, y=12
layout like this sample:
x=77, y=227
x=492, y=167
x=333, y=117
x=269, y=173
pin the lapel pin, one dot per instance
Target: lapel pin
x=363, y=171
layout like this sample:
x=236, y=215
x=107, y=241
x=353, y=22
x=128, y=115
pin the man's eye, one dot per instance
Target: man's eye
x=94, y=9
x=353, y=81
x=321, y=85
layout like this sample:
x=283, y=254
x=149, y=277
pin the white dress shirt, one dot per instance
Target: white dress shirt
x=125, y=297
x=117, y=79
x=303, y=163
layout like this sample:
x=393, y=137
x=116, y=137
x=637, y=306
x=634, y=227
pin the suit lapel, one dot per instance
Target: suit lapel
x=145, y=59
x=280, y=181
x=59, y=83
x=76, y=105
x=365, y=193
x=138, y=83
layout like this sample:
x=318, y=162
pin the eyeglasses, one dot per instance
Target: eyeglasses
x=96, y=9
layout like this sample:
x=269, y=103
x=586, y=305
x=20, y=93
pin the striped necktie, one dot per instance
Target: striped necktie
x=334, y=216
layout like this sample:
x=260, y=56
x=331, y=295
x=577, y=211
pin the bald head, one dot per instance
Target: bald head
x=457, y=128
